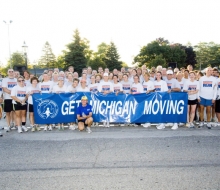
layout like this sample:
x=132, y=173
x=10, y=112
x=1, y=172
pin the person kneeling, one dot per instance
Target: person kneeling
x=84, y=115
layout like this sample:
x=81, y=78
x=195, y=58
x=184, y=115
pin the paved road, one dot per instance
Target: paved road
x=111, y=158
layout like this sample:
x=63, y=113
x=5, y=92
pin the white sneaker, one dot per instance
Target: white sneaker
x=209, y=126
x=50, y=128
x=107, y=124
x=168, y=124
x=45, y=128
x=7, y=129
x=161, y=126
x=181, y=124
x=146, y=125
x=96, y=124
x=175, y=126
x=1, y=134
x=24, y=128
x=200, y=125
x=188, y=125
x=19, y=129
x=89, y=130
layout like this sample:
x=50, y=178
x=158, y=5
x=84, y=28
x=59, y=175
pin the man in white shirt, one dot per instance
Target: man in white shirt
x=7, y=85
x=207, y=95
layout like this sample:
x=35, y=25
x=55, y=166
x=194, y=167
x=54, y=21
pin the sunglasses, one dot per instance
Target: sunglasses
x=20, y=80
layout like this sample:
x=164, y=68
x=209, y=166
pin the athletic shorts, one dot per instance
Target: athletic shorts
x=20, y=107
x=217, y=106
x=8, y=106
x=205, y=102
x=192, y=102
x=83, y=121
x=31, y=108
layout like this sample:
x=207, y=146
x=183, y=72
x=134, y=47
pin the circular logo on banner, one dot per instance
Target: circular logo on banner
x=47, y=109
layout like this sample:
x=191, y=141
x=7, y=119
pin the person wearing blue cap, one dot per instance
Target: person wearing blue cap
x=84, y=115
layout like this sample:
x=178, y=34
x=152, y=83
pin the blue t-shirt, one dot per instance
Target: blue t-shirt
x=84, y=110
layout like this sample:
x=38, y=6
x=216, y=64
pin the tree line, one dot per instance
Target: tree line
x=157, y=52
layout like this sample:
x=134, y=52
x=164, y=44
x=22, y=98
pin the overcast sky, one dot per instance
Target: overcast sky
x=130, y=24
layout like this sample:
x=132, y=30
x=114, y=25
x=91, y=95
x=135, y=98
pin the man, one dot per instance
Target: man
x=84, y=115
x=164, y=74
x=207, y=95
x=7, y=85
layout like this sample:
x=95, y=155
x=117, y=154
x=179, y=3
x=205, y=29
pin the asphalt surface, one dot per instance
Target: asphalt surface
x=111, y=158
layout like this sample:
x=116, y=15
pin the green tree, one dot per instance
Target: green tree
x=75, y=54
x=112, y=57
x=47, y=59
x=207, y=54
x=17, y=59
x=161, y=50
x=60, y=63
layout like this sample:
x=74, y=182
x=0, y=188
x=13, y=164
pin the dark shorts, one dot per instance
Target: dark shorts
x=192, y=102
x=83, y=121
x=18, y=107
x=8, y=106
x=31, y=108
x=217, y=106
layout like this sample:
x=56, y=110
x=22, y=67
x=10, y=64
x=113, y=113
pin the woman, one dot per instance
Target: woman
x=69, y=79
x=33, y=88
x=160, y=86
x=136, y=87
x=148, y=86
x=72, y=89
x=110, y=77
x=117, y=87
x=93, y=86
x=83, y=87
x=60, y=88
x=18, y=94
x=126, y=85
x=191, y=87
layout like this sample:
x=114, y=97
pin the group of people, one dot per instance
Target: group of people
x=203, y=92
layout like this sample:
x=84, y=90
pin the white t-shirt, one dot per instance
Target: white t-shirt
x=27, y=82
x=46, y=87
x=105, y=86
x=68, y=83
x=181, y=83
x=8, y=83
x=149, y=85
x=137, y=88
x=93, y=87
x=117, y=87
x=189, y=85
x=57, y=89
x=160, y=86
x=33, y=90
x=70, y=89
x=172, y=83
x=208, y=87
x=19, y=92
x=126, y=87
x=80, y=89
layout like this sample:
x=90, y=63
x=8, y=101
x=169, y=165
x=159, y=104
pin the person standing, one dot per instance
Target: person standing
x=160, y=86
x=207, y=95
x=105, y=87
x=32, y=89
x=7, y=85
x=191, y=87
x=19, y=96
x=46, y=87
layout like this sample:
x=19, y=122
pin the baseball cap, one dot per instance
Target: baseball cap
x=105, y=75
x=169, y=72
x=84, y=98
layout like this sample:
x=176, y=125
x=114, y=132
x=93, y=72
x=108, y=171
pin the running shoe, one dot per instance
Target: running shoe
x=24, y=128
x=175, y=126
x=7, y=129
x=19, y=129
